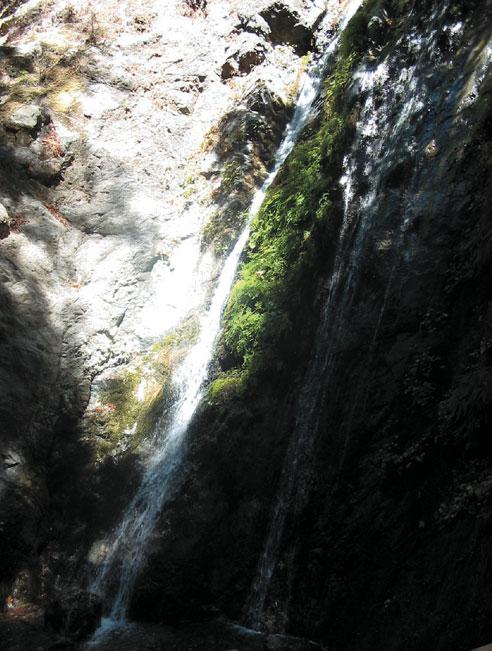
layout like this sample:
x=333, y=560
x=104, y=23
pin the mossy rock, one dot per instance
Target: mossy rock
x=131, y=402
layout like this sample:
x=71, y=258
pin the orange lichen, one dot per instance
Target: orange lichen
x=57, y=215
x=52, y=147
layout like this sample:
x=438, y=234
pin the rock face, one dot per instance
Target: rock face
x=285, y=26
x=370, y=419
x=26, y=117
x=246, y=56
x=290, y=23
x=337, y=482
x=4, y=222
x=110, y=172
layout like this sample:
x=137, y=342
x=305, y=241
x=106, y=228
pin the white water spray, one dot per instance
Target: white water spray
x=160, y=481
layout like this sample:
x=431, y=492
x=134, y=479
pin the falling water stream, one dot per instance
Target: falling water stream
x=378, y=140
x=129, y=543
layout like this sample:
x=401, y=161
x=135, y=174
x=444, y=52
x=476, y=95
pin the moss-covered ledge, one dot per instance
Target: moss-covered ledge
x=293, y=237
x=129, y=402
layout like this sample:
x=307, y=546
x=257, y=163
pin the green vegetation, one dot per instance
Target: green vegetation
x=356, y=38
x=222, y=228
x=188, y=185
x=295, y=226
x=231, y=176
x=133, y=400
x=286, y=238
x=226, y=386
x=54, y=76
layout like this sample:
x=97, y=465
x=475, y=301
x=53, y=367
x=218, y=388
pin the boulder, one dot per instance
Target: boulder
x=247, y=55
x=254, y=24
x=20, y=56
x=27, y=117
x=377, y=30
x=287, y=27
x=46, y=171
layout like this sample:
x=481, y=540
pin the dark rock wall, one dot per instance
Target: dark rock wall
x=388, y=546
x=390, y=552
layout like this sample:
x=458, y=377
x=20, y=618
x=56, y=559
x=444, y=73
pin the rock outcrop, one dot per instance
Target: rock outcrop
x=348, y=431
x=110, y=170
x=289, y=22
x=336, y=485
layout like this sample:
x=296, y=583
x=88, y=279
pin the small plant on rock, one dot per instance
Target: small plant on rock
x=52, y=147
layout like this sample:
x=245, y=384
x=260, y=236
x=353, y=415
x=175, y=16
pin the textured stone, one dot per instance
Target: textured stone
x=4, y=221
x=26, y=117
x=286, y=25
x=104, y=257
x=247, y=55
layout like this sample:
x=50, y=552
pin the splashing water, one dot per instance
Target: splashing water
x=161, y=479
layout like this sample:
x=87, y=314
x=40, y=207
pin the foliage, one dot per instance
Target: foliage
x=225, y=387
x=356, y=36
x=231, y=176
x=127, y=415
x=258, y=321
x=55, y=76
x=222, y=227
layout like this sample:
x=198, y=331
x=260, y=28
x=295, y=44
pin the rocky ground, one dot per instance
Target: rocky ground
x=24, y=630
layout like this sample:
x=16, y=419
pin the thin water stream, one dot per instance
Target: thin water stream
x=116, y=576
x=298, y=445
x=378, y=139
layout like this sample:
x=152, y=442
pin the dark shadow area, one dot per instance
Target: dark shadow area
x=387, y=545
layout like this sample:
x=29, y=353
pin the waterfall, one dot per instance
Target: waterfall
x=130, y=540
x=378, y=140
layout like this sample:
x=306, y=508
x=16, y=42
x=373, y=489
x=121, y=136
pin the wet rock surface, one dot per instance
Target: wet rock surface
x=205, y=635
x=105, y=124
x=24, y=631
x=390, y=518
x=124, y=178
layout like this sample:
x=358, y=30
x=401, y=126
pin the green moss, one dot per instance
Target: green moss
x=285, y=238
x=188, y=186
x=56, y=77
x=189, y=192
x=221, y=229
x=226, y=387
x=231, y=176
x=355, y=38
x=125, y=419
